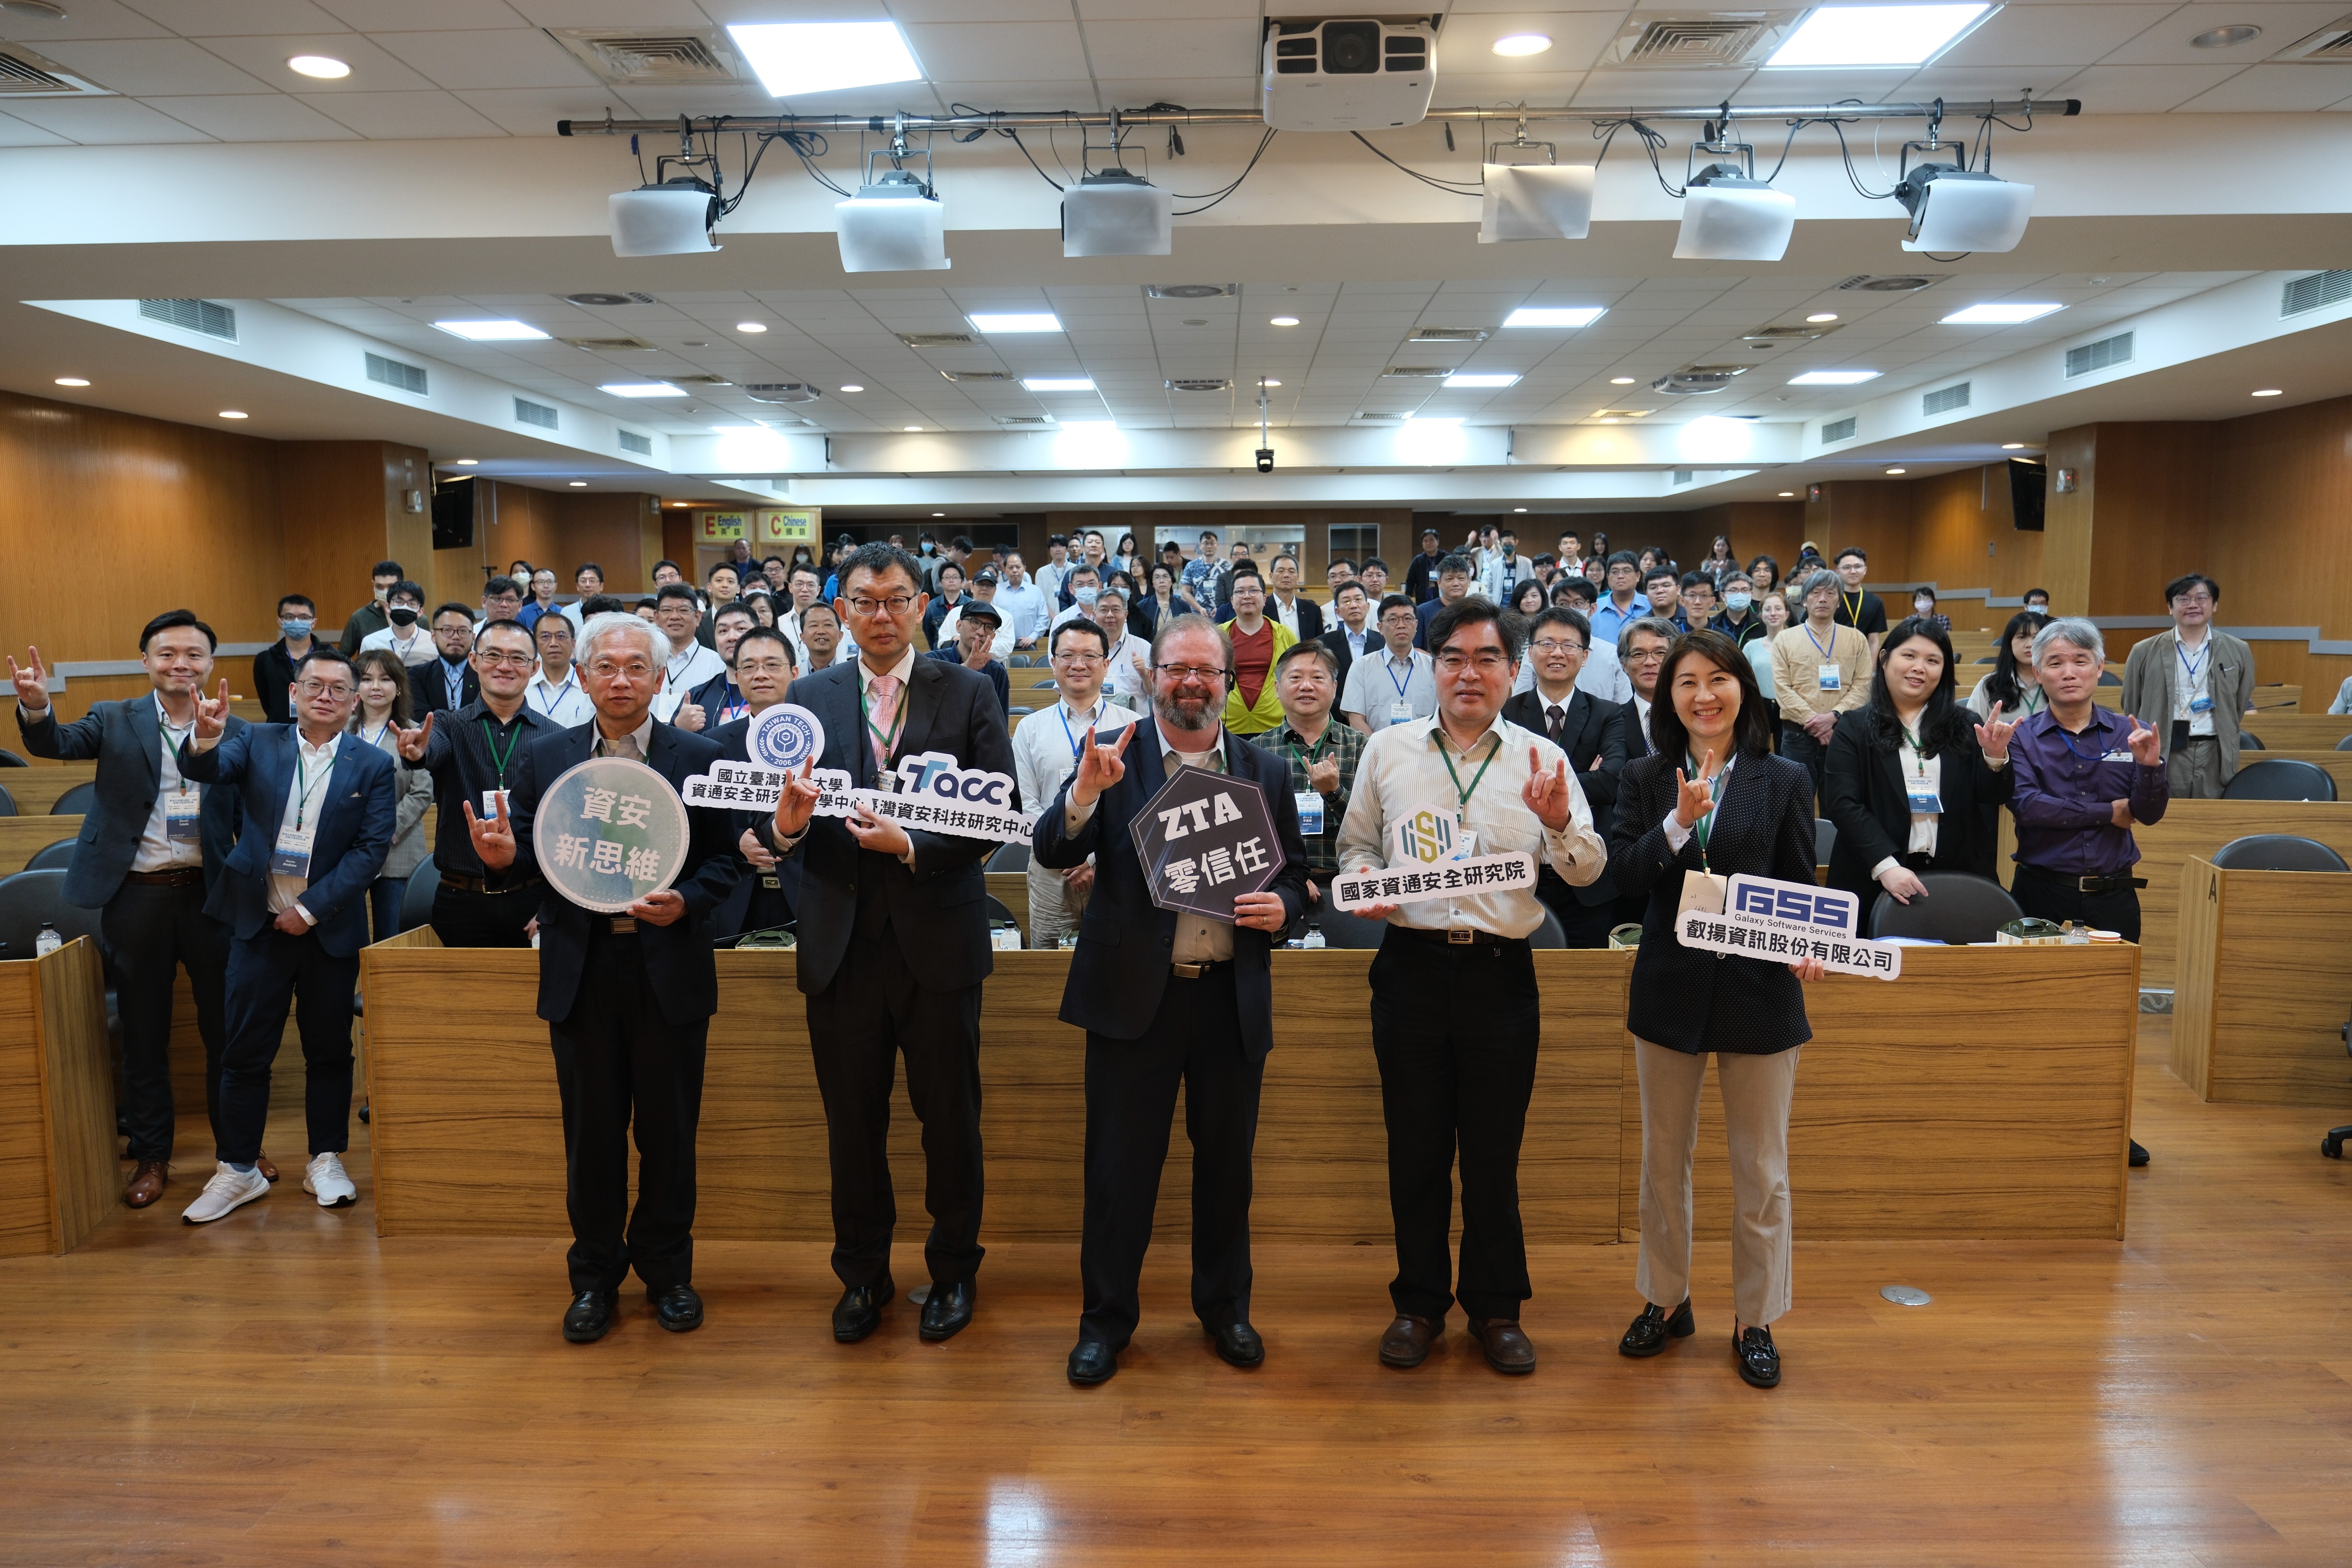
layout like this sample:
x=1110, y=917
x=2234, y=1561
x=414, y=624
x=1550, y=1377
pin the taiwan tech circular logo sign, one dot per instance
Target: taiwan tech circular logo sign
x=785, y=736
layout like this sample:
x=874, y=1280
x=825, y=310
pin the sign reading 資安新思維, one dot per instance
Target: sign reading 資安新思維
x=610, y=831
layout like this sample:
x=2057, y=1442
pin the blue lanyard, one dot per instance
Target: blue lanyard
x=455, y=684
x=560, y=692
x=1062, y=711
x=376, y=739
x=1816, y=641
x=1390, y=671
x=2198, y=669
x=2097, y=754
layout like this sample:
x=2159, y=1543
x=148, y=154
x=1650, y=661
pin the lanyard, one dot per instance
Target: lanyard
x=1918, y=750
x=2097, y=753
x=1704, y=829
x=1853, y=610
x=497, y=758
x=1492, y=752
x=1389, y=670
x=455, y=684
x=890, y=740
x=2195, y=671
x=1827, y=654
x=1062, y=711
x=671, y=670
x=376, y=739
x=560, y=692
x=303, y=784
x=171, y=741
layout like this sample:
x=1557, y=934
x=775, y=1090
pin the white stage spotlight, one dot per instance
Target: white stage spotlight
x=671, y=219
x=1963, y=210
x=1537, y=201
x=892, y=226
x=1116, y=214
x=1727, y=216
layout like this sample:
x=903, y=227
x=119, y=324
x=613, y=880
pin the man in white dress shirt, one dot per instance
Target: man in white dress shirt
x=691, y=661
x=1045, y=748
x=1126, y=676
x=1025, y=606
x=1396, y=684
x=407, y=637
x=554, y=692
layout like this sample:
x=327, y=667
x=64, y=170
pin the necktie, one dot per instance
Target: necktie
x=882, y=709
x=1554, y=714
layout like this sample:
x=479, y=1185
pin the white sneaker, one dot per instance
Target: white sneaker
x=229, y=1189
x=325, y=1176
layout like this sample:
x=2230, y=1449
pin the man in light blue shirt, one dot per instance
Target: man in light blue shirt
x=1625, y=603
x=1022, y=602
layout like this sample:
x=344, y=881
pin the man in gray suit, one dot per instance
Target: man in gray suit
x=151, y=848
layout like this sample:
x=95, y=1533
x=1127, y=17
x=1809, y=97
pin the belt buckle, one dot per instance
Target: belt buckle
x=1461, y=936
x=2089, y=883
x=625, y=925
x=1188, y=971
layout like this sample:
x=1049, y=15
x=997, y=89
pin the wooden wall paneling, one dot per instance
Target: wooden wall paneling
x=609, y=528
x=36, y=789
x=2269, y=973
x=1945, y=1128
x=2198, y=828
x=25, y=1198
x=2281, y=545
x=77, y=1089
x=2153, y=517
x=2067, y=529
x=1964, y=536
x=2298, y=732
x=341, y=510
x=677, y=541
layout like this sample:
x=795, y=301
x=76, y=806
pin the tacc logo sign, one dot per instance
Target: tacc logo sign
x=935, y=773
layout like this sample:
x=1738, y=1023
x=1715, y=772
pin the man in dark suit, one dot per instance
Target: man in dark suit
x=627, y=997
x=1350, y=636
x=151, y=849
x=768, y=894
x=1168, y=998
x=1592, y=730
x=1285, y=604
x=448, y=683
x=318, y=822
x=1454, y=576
x=894, y=943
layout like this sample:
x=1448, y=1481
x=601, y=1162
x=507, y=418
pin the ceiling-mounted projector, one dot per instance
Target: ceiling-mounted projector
x=674, y=219
x=1955, y=209
x=1728, y=216
x=1116, y=214
x=1537, y=201
x=1355, y=74
x=894, y=224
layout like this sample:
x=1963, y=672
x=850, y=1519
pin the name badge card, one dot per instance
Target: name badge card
x=1831, y=680
x=493, y=801
x=293, y=856
x=1310, y=813
x=1924, y=800
x=2200, y=703
x=182, y=807
x=1400, y=712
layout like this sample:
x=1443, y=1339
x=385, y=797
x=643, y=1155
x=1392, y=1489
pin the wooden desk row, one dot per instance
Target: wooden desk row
x=2263, y=985
x=58, y=1172
x=1921, y=1110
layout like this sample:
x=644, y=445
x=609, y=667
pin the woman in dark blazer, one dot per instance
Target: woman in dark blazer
x=1712, y=800
x=1914, y=738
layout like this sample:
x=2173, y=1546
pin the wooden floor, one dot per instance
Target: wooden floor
x=283, y=1388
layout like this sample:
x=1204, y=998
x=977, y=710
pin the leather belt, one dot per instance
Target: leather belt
x=1200, y=971
x=771, y=880
x=2119, y=882
x=183, y=876
x=1459, y=936
x=481, y=885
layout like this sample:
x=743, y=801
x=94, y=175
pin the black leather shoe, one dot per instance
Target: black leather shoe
x=677, y=1309
x=1092, y=1362
x=946, y=1312
x=1760, y=1361
x=859, y=1310
x=590, y=1317
x=1239, y=1344
x=1651, y=1331
x=2138, y=1155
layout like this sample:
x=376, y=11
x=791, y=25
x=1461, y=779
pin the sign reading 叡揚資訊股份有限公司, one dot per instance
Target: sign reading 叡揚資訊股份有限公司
x=1205, y=840
x=1766, y=918
x=610, y=831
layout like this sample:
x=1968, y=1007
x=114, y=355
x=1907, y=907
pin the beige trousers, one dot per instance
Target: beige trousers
x=1755, y=1095
x=1053, y=911
x=2194, y=769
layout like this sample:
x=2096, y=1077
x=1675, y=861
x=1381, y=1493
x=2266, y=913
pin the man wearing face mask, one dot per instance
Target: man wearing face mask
x=1739, y=622
x=1084, y=585
x=273, y=667
x=373, y=616
x=403, y=633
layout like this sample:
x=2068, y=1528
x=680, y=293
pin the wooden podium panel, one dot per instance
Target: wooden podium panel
x=1986, y=1094
x=57, y=1170
x=2192, y=828
x=2263, y=986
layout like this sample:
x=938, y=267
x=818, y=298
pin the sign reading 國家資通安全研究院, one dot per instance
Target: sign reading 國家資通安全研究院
x=1205, y=840
x=608, y=833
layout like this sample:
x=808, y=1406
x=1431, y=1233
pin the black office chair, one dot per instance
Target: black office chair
x=52, y=857
x=31, y=899
x=1551, y=933
x=8, y=803
x=2344, y=743
x=2277, y=851
x=417, y=898
x=1987, y=659
x=1018, y=661
x=1012, y=713
x=1342, y=929
x=1824, y=840
x=1959, y=908
x=1013, y=856
x=2281, y=779
x=2107, y=678
x=10, y=760
x=2250, y=742
x=76, y=801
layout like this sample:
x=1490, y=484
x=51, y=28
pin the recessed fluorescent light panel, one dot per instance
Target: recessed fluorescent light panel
x=490, y=331
x=1999, y=314
x=795, y=57
x=1476, y=381
x=1857, y=36
x=1533, y=316
x=1831, y=378
x=642, y=389
x=1058, y=383
x=1018, y=321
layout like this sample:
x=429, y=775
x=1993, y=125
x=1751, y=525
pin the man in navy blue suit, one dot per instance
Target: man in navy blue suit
x=1168, y=998
x=317, y=805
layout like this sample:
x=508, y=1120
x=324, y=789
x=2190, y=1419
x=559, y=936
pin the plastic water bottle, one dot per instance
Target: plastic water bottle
x=1314, y=934
x=47, y=941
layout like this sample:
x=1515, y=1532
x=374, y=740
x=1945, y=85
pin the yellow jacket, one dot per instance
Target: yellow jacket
x=1241, y=718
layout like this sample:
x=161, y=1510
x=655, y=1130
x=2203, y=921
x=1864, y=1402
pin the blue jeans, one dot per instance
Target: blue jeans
x=385, y=896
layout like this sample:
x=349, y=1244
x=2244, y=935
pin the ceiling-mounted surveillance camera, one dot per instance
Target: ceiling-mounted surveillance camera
x=674, y=219
x=1266, y=459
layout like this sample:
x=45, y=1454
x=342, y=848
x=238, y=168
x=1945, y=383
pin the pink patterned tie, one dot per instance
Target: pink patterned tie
x=882, y=713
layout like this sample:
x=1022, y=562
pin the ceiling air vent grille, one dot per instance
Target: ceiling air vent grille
x=1698, y=381
x=192, y=316
x=1449, y=335
x=1839, y=430
x=539, y=413
x=609, y=298
x=2314, y=292
x=1735, y=38
x=1385, y=414
x=1896, y=283
x=608, y=345
x=699, y=380
x=687, y=57
x=1944, y=400
x=1418, y=372
x=1200, y=384
x=781, y=392
x=977, y=375
x=1683, y=475
x=643, y=445
x=1031, y=420
x=2099, y=356
x=1622, y=413
x=1192, y=291
x=396, y=374
x=24, y=74
x=2333, y=42
x=935, y=339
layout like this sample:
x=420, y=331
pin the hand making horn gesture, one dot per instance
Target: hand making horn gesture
x=212, y=714
x=32, y=681
x=2147, y=747
x=494, y=840
x=1697, y=796
x=797, y=804
x=1546, y=793
x=413, y=742
x=1099, y=768
x=1993, y=735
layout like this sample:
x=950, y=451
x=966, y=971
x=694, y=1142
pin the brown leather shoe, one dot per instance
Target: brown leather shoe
x=268, y=1172
x=147, y=1183
x=1506, y=1347
x=1409, y=1339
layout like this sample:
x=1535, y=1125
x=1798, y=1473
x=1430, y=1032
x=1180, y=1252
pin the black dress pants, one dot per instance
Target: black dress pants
x=2047, y=896
x=1453, y=1030
x=875, y=1010
x=1797, y=745
x=620, y=1066
x=462, y=918
x=270, y=975
x=1587, y=925
x=1195, y=1038
x=151, y=931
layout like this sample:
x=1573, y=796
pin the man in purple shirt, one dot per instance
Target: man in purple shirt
x=2085, y=777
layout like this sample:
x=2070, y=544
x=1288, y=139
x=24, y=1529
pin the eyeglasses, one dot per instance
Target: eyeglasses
x=635, y=669
x=506, y=661
x=896, y=604
x=336, y=689
x=1558, y=645
x=1487, y=664
x=1079, y=661
x=1649, y=656
x=1190, y=672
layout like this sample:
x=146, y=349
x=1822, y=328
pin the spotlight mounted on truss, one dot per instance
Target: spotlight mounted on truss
x=1729, y=215
x=1114, y=211
x=896, y=222
x=1955, y=208
x=674, y=214
x=1534, y=200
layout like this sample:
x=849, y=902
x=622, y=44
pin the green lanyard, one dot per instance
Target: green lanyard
x=497, y=758
x=1494, y=751
x=302, y=786
x=1919, y=750
x=890, y=740
x=1704, y=827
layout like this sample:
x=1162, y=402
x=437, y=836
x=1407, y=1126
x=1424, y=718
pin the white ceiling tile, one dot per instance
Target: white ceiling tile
x=1217, y=148
x=1986, y=82
x=2275, y=89
x=1635, y=89
x=402, y=116
x=496, y=59
x=255, y=117
x=1216, y=46
x=2166, y=43
x=1821, y=87
x=415, y=16
x=2043, y=36
x=374, y=68
x=15, y=133
x=2144, y=89
x=138, y=67
x=1076, y=92
x=533, y=111
x=1465, y=46
x=104, y=121
x=215, y=18
x=999, y=51
x=85, y=19
x=651, y=13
